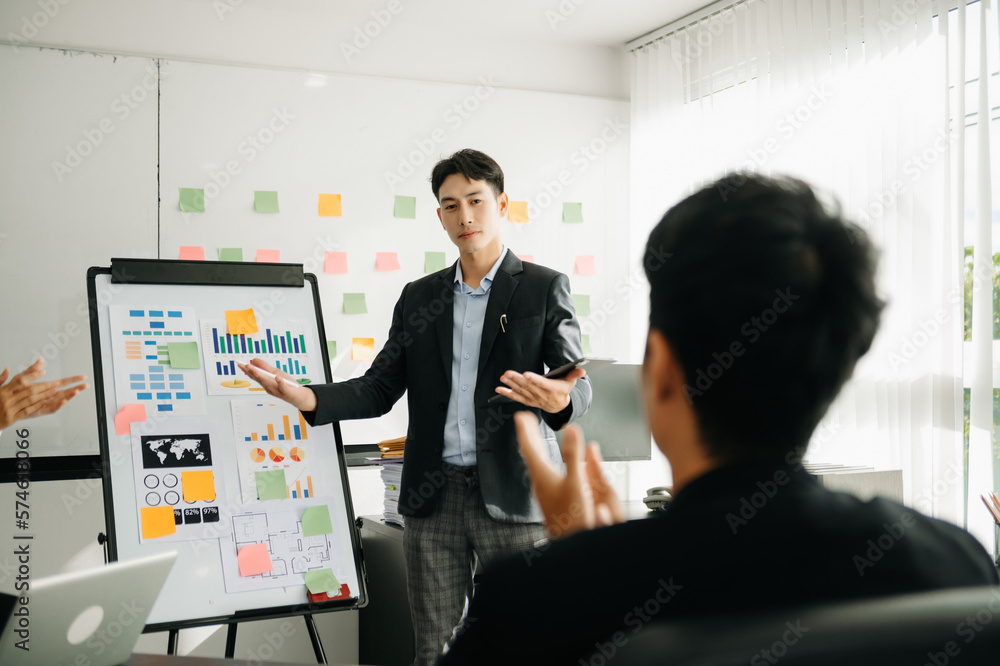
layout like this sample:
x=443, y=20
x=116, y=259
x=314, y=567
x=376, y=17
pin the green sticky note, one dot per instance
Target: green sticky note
x=582, y=304
x=331, y=348
x=316, y=521
x=192, y=200
x=230, y=254
x=271, y=484
x=322, y=580
x=355, y=304
x=405, y=207
x=585, y=339
x=572, y=212
x=265, y=201
x=183, y=355
x=433, y=262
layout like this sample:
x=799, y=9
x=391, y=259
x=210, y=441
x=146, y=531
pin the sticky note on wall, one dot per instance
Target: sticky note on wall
x=355, y=304
x=331, y=348
x=405, y=207
x=433, y=262
x=316, y=521
x=128, y=415
x=192, y=200
x=241, y=322
x=585, y=264
x=183, y=355
x=271, y=484
x=157, y=521
x=572, y=212
x=269, y=256
x=386, y=261
x=192, y=253
x=517, y=211
x=254, y=559
x=265, y=201
x=363, y=349
x=335, y=263
x=582, y=304
x=530, y=258
x=585, y=340
x=230, y=254
x=330, y=205
x=198, y=485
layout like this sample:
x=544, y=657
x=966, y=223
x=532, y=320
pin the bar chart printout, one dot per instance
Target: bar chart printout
x=140, y=342
x=283, y=344
x=272, y=436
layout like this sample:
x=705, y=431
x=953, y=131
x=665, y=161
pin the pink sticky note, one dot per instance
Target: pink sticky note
x=128, y=415
x=254, y=559
x=192, y=253
x=585, y=264
x=269, y=256
x=336, y=262
x=386, y=261
x=526, y=257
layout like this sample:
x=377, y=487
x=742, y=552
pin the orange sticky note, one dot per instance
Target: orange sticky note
x=517, y=211
x=527, y=257
x=269, y=256
x=585, y=264
x=254, y=559
x=241, y=322
x=192, y=253
x=329, y=205
x=125, y=417
x=362, y=349
x=157, y=521
x=198, y=485
x=336, y=263
x=386, y=261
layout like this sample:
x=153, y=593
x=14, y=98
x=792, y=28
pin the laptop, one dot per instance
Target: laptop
x=90, y=617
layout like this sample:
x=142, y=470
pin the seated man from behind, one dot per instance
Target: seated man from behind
x=769, y=299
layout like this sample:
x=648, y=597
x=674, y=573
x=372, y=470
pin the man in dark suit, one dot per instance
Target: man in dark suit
x=757, y=318
x=455, y=335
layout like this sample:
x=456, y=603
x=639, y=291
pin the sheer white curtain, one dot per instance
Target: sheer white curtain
x=866, y=100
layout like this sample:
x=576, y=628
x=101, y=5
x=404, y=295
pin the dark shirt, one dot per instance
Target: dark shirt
x=745, y=537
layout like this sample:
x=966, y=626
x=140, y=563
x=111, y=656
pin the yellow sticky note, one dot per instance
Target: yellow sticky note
x=198, y=485
x=157, y=521
x=362, y=349
x=329, y=205
x=241, y=322
x=517, y=211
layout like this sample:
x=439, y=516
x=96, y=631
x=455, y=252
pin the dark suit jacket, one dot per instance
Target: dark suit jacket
x=540, y=330
x=737, y=539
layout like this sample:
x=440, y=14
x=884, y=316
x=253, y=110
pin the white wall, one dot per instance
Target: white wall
x=430, y=41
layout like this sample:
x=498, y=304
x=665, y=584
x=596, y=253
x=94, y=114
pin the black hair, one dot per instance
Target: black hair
x=472, y=164
x=768, y=299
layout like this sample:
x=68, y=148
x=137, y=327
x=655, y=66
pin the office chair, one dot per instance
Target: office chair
x=959, y=627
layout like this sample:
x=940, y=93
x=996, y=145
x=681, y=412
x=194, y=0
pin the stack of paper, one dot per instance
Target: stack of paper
x=392, y=476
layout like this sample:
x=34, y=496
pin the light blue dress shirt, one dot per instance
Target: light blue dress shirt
x=467, y=336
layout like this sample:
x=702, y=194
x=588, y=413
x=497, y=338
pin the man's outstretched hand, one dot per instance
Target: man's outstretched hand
x=581, y=500
x=24, y=397
x=271, y=380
